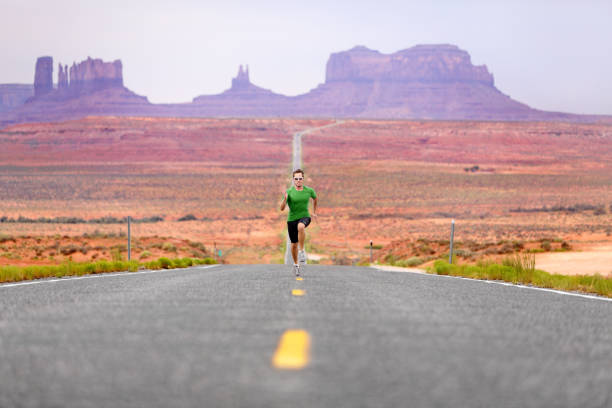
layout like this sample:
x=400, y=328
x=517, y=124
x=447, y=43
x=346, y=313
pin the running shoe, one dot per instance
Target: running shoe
x=302, y=257
x=296, y=270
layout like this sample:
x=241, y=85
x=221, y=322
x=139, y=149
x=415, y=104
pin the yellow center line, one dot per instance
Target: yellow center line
x=298, y=292
x=299, y=278
x=293, y=351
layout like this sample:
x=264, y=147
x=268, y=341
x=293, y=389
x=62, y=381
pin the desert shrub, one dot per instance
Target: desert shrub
x=390, y=259
x=119, y=248
x=145, y=255
x=5, y=238
x=506, y=248
x=442, y=267
x=168, y=247
x=153, y=265
x=205, y=261
x=546, y=246
x=410, y=262
x=188, y=217
x=178, y=263
x=523, y=265
x=426, y=249
x=68, y=249
x=103, y=266
x=600, y=210
x=197, y=245
x=117, y=256
x=197, y=254
x=165, y=263
x=463, y=253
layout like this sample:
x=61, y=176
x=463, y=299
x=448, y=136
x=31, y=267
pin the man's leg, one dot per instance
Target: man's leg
x=301, y=235
x=294, y=252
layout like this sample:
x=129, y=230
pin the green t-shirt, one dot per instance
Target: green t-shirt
x=298, y=202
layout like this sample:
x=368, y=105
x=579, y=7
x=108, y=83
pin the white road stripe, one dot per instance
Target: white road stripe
x=560, y=292
x=101, y=275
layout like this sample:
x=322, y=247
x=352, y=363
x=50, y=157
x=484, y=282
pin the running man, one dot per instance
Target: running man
x=297, y=198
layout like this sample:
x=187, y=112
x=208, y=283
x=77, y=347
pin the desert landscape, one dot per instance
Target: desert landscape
x=215, y=184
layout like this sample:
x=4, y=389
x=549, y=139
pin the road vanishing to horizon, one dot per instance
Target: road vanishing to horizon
x=212, y=337
x=339, y=336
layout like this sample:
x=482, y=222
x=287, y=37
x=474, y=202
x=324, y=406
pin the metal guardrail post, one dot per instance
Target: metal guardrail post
x=129, y=246
x=452, y=237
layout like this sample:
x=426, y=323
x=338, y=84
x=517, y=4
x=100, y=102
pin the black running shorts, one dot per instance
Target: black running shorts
x=292, y=227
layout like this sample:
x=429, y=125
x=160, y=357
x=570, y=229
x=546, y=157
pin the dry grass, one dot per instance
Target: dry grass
x=384, y=181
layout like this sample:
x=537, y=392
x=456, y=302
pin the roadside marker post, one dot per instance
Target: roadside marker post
x=371, y=251
x=129, y=246
x=452, y=237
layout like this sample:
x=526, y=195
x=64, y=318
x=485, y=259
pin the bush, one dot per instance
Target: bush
x=600, y=211
x=117, y=256
x=463, y=253
x=154, y=265
x=168, y=247
x=188, y=217
x=165, y=263
x=410, y=262
x=178, y=263
x=68, y=249
x=442, y=267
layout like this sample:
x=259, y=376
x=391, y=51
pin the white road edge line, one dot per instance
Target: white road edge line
x=100, y=275
x=560, y=292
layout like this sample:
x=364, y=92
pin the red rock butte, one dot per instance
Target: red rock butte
x=434, y=82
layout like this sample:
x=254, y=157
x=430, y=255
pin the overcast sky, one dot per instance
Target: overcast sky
x=552, y=55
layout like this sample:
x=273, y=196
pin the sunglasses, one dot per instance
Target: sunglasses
x=298, y=178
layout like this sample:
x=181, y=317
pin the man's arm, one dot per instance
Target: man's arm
x=283, y=203
x=314, y=207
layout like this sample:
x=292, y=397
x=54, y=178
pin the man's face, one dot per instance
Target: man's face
x=298, y=179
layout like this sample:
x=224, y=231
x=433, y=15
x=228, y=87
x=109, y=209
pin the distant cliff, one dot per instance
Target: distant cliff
x=86, y=77
x=423, y=63
x=14, y=95
x=436, y=82
x=91, y=87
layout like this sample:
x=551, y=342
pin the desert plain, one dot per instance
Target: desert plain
x=197, y=186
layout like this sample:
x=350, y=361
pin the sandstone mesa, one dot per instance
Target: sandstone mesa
x=432, y=82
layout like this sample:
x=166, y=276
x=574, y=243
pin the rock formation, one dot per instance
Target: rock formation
x=436, y=82
x=422, y=82
x=94, y=74
x=14, y=95
x=91, y=87
x=242, y=80
x=242, y=99
x=43, y=76
x=422, y=63
x=62, y=76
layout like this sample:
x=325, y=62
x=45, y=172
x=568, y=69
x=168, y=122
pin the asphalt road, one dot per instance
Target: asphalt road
x=206, y=338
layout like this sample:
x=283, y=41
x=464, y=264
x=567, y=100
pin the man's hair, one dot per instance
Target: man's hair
x=298, y=171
